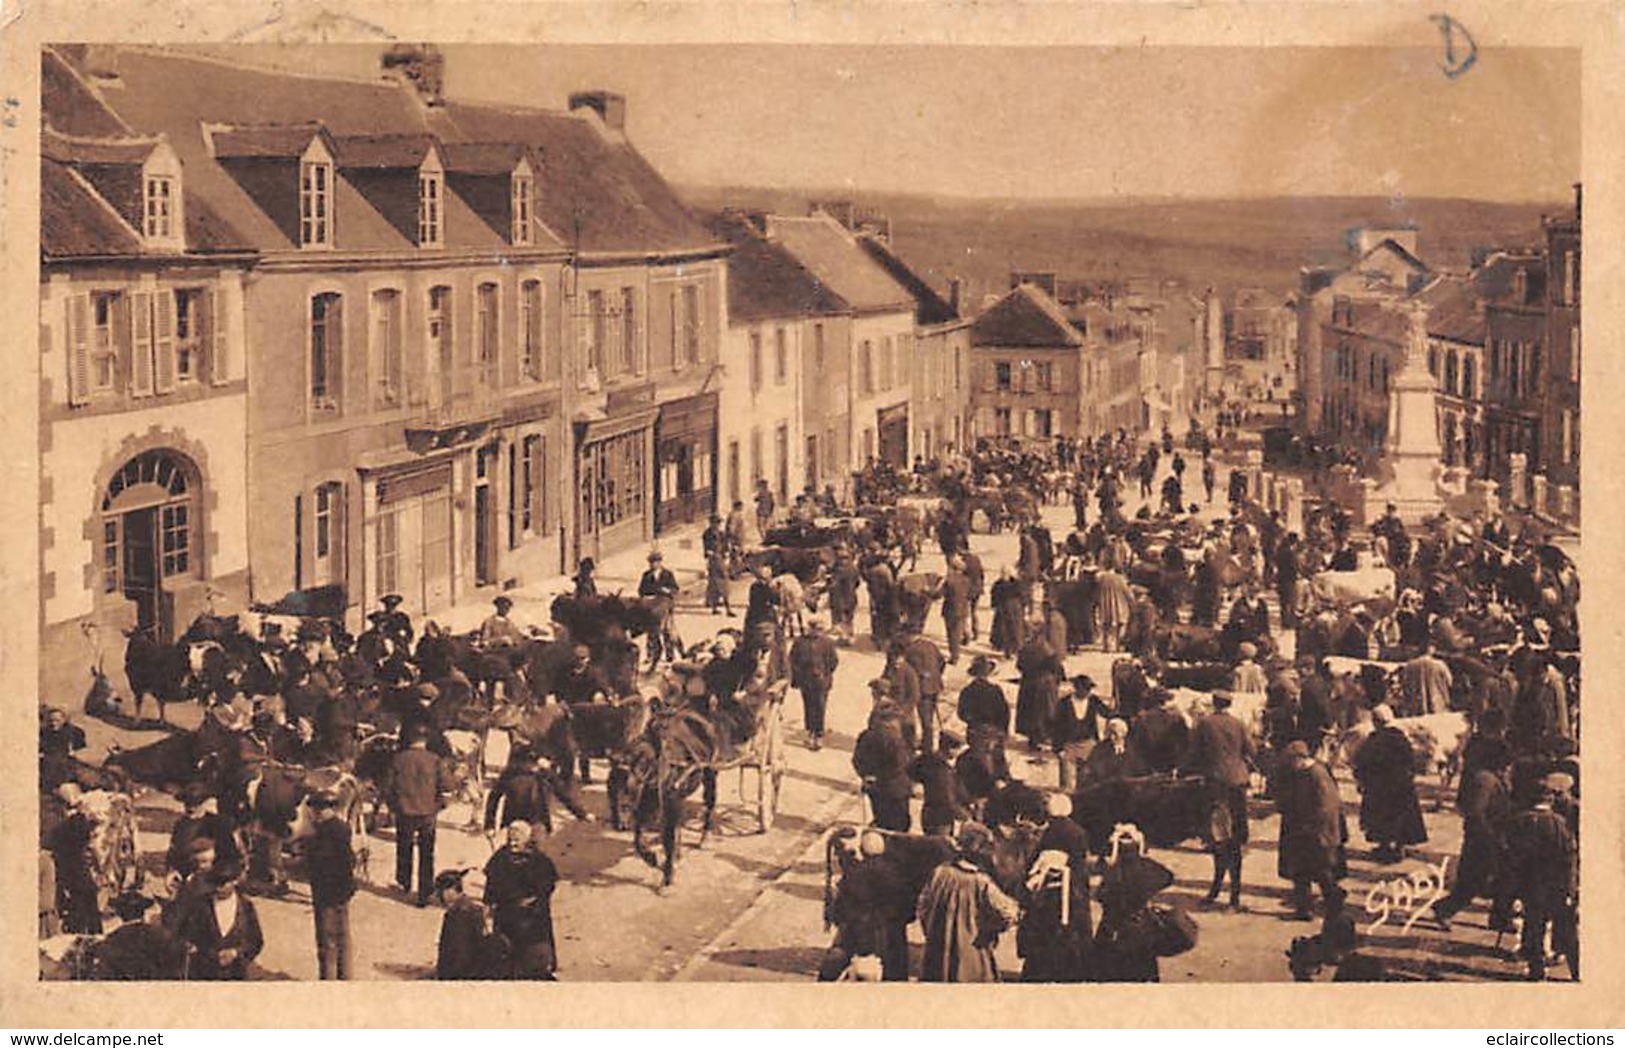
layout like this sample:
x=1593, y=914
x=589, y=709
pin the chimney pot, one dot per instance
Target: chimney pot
x=610, y=107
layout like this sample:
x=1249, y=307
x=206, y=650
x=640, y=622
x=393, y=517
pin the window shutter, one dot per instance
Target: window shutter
x=78, y=342
x=212, y=335
x=141, y=376
x=163, y=315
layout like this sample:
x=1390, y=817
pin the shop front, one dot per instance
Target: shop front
x=614, y=481
x=685, y=439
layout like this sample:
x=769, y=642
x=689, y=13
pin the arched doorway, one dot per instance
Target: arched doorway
x=150, y=530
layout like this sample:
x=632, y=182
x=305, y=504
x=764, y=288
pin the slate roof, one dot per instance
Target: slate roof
x=824, y=247
x=384, y=152
x=1494, y=279
x=1026, y=316
x=74, y=221
x=1390, y=244
x=1454, y=310
x=109, y=150
x=594, y=190
x=485, y=158
x=263, y=141
x=930, y=308
x=72, y=106
x=765, y=282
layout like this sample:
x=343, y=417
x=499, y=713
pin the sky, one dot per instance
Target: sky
x=1059, y=122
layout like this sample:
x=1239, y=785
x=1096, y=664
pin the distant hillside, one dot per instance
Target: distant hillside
x=1218, y=243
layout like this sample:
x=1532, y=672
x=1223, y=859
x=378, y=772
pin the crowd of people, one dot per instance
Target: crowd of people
x=1477, y=626
x=1477, y=623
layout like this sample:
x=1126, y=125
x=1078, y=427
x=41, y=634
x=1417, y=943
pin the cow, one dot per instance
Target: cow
x=275, y=800
x=163, y=671
x=167, y=764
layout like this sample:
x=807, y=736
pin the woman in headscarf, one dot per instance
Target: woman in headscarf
x=1125, y=943
x=1384, y=769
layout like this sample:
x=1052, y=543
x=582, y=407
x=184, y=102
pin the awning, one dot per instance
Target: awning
x=689, y=417
x=596, y=430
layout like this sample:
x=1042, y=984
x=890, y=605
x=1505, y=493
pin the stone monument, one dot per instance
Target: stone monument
x=1411, y=458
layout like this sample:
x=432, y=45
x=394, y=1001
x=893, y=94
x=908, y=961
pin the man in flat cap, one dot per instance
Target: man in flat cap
x=416, y=795
x=1312, y=834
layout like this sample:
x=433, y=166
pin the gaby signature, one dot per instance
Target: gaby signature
x=1405, y=898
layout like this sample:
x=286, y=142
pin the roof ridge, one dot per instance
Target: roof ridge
x=179, y=53
x=132, y=139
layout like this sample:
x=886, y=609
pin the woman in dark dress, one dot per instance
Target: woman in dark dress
x=1125, y=944
x=1008, y=604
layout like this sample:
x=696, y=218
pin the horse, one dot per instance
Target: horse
x=675, y=756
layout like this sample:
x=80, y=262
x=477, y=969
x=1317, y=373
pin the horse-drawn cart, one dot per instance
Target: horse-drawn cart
x=764, y=754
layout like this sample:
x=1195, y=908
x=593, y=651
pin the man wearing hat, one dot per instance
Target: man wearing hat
x=1485, y=803
x=1080, y=723
x=393, y=621
x=881, y=757
x=1222, y=752
x=201, y=820
x=1384, y=770
x=1542, y=856
x=1312, y=834
x=956, y=605
x=813, y=659
x=460, y=952
x=417, y=789
x=140, y=949
x=986, y=713
x=946, y=799
x=498, y=630
x=222, y=929
x=922, y=654
x=658, y=587
x=330, y=868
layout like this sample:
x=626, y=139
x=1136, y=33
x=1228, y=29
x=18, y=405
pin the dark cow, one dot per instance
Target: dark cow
x=167, y=764
x=1168, y=809
x=163, y=671
x=276, y=801
x=806, y=564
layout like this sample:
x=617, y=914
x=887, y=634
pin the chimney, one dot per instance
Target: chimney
x=1578, y=193
x=956, y=291
x=843, y=211
x=610, y=107
x=420, y=66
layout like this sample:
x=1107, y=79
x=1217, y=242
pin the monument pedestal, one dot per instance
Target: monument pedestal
x=1412, y=456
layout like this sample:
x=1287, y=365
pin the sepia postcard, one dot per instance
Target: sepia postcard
x=786, y=496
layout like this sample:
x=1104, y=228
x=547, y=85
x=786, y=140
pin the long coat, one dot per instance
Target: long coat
x=1311, y=823
x=962, y=913
x=1007, y=608
x=1041, y=672
x=1383, y=768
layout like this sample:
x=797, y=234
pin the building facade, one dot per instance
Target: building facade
x=1028, y=369
x=143, y=512
x=437, y=349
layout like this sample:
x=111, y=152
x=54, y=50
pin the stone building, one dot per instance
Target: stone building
x=472, y=343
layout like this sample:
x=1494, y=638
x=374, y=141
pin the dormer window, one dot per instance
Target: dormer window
x=431, y=193
x=316, y=203
x=523, y=187
x=159, y=209
x=162, y=219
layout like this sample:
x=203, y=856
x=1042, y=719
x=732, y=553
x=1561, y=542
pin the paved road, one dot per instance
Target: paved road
x=748, y=906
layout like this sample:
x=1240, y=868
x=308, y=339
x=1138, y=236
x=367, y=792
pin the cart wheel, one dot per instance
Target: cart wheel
x=767, y=798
